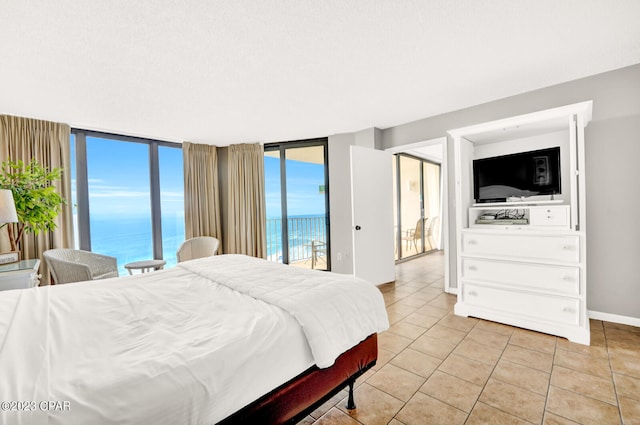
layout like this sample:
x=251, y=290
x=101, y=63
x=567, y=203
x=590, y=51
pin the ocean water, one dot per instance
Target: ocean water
x=129, y=238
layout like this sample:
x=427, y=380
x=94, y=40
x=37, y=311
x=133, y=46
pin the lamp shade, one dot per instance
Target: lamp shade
x=7, y=207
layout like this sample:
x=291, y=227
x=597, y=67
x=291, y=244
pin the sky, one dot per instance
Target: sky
x=304, y=180
x=118, y=174
x=119, y=182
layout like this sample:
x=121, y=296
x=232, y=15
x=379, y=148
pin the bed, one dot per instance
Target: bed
x=225, y=339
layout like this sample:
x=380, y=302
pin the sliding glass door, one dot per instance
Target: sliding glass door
x=417, y=205
x=297, y=198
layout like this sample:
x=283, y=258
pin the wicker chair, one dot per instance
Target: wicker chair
x=198, y=247
x=74, y=265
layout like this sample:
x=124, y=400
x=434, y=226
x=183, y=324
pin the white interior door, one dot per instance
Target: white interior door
x=372, y=215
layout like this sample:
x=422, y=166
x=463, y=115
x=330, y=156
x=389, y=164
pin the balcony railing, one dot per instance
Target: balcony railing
x=307, y=240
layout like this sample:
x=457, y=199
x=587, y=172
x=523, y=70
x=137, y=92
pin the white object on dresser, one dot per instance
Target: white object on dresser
x=20, y=275
x=530, y=271
x=539, y=217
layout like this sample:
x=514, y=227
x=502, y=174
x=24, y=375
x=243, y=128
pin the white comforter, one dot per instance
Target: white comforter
x=187, y=345
x=335, y=311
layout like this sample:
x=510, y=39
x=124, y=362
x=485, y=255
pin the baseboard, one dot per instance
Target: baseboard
x=452, y=291
x=614, y=318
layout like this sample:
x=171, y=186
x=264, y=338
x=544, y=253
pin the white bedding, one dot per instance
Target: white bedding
x=187, y=345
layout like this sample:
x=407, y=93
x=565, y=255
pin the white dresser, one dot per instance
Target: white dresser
x=523, y=262
x=531, y=280
x=20, y=275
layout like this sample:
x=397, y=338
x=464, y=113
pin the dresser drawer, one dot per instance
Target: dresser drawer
x=558, y=279
x=549, y=216
x=563, y=248
x=537, y=306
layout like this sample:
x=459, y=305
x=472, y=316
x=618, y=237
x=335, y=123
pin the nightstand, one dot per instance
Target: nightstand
x=20, y=275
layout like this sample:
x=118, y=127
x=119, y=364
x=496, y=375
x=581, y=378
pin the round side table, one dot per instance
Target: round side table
x=145, y=266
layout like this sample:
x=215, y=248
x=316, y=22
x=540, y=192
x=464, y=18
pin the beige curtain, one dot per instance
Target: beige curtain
x=201, y=193
x=432, y=198
x=246, y=233
x=48, y=143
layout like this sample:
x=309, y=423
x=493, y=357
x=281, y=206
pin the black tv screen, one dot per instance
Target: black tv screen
x=519, y=175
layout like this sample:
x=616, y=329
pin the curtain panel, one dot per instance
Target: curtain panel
x=49, y=144
x=246, y=224
x=201, y=192
x=432, y=198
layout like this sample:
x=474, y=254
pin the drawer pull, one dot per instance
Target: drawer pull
x=472, y=242
x=568, y=310
x=473, y=268
x=567, y=278
x=568, y=247
x=472, y=293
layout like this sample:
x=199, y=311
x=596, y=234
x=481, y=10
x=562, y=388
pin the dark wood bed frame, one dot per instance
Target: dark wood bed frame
x=295, y=399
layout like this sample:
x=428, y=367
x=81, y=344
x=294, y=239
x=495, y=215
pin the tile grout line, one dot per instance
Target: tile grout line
x=615, y=387
x=487, y=381
x=404, y=403
x=546, y=398
x=437, y=369
x=449, y=311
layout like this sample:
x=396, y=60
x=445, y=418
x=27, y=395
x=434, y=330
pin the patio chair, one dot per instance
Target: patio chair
x=198, y=247
x=414, y=235
x=75, y=265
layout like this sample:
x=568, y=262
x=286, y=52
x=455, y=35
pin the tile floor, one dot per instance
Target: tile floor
x=438, y=368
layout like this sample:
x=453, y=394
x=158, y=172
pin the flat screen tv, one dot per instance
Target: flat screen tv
x=518, y=175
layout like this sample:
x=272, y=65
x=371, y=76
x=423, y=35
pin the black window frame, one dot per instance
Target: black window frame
x=82, y=184
x=282, y=147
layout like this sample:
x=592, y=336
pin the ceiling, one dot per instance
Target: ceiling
x=226, y=72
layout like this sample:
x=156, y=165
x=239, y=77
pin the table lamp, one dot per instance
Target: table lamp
x=8, y=214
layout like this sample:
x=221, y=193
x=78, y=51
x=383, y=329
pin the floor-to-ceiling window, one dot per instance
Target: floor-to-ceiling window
x=128, y=196
x=416, y=205
x=297, y=201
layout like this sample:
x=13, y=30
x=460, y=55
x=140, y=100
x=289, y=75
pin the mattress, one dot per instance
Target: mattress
x=187, y=345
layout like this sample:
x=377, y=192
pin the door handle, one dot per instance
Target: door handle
x=358, y=227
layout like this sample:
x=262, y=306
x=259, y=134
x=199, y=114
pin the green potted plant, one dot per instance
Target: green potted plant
x=36, y=200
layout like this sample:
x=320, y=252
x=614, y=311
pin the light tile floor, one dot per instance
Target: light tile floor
x=437, y=368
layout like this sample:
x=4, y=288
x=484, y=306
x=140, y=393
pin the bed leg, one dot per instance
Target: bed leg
x=350, y=403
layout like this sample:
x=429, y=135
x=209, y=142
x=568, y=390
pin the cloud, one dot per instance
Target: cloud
x=118, y=193
x=170, y=194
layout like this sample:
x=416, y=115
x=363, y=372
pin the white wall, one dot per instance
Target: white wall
x=340, y=202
